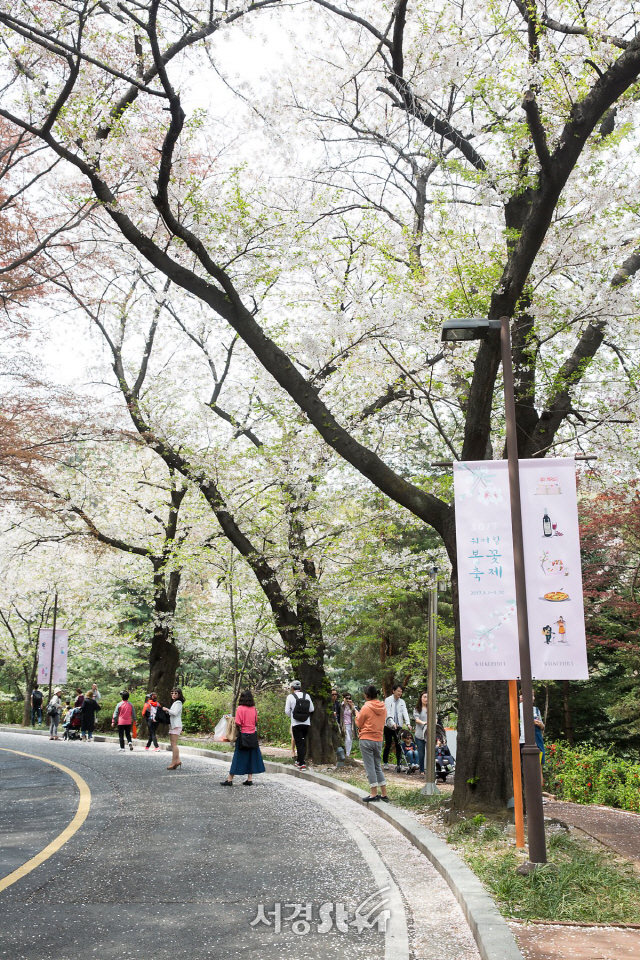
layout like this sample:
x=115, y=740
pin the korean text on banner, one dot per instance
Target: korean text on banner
x=59, y=656
x=486, y=581
x=552, y=568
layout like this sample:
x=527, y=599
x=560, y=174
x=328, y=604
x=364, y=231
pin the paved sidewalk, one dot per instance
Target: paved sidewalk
x=548, y=942
x=620, y=831
x=617, y=829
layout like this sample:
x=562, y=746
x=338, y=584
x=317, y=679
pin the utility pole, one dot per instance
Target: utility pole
x=430, y=787
x=53, y=640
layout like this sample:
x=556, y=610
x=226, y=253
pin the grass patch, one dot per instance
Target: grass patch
x=580, y=883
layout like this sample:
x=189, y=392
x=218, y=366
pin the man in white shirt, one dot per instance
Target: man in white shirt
x=397, y=716
x=299, y=707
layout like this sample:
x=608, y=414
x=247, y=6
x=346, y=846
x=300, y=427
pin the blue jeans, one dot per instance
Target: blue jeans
x=421, y=750
x=36, y=712
x=412, y=756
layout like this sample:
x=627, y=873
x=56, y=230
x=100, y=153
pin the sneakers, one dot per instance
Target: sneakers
x=302, y=766
x=146, y=748
x=295, y=763
x=384, y=799
x=155, y=749
x=372, y=799
x=385, y=766
x=130, y=746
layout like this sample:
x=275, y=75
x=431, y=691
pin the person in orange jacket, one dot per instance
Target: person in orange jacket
x=149, y=713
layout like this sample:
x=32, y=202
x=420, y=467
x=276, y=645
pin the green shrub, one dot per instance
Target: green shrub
x=13, y=712
x=583, y=775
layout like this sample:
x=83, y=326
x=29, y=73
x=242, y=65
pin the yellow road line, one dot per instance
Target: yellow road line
x=82, y=813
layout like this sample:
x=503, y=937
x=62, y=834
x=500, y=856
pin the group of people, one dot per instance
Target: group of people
x=86, y=705
x=396, y=731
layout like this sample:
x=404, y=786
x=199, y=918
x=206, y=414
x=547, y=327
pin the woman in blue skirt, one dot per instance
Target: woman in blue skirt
x=246, y=761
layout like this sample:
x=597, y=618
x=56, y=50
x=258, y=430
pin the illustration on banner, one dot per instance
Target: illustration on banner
x=483, y=485
x=549, y=527
x=558, y=635
x=484, y=635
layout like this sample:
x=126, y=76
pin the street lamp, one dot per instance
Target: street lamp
x=430, y=787
x=477, y=329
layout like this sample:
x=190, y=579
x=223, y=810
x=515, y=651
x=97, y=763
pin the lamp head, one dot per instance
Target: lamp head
x=470, y=328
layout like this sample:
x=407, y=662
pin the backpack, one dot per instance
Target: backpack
x=37, y=697
x=302, y=708
x=52, y=709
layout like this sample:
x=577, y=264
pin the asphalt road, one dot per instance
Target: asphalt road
x=170, y=864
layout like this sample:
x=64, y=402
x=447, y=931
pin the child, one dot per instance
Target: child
x=410, y=750
x=444, y=759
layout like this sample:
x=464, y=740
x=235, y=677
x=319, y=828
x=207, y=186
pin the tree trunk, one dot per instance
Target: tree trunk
x=26, y=717
x=483, y=777
x=164, y=659
x=323, y=734
x=568, y=723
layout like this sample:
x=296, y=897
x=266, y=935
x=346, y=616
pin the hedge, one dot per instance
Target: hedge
x=584, y=775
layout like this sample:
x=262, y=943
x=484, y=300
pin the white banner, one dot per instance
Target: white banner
x=552, y=565
x=485, y=571
x=59, y=656
x=488, y=626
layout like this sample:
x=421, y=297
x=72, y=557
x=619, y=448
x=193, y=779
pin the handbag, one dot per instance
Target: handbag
x=248, y=741
x=231, y=731
x=162, y=715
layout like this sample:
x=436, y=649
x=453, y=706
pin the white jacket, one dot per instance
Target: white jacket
x=403, y=717
x=289, y=707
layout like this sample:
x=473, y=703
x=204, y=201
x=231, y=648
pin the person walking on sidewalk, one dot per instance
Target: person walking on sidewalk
x=54, y=712
x=123, y=716
x=397, y=716
x=371, y=723
x=299, y=706
x=247, y=758
x=175, y=726
x=36, y=706
x=149, y=713
x=348, y=714
x=89, y=709
x=420, y=717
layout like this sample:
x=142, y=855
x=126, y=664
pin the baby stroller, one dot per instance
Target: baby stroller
x=445, y=763
x=72, y=724
x=409, y=756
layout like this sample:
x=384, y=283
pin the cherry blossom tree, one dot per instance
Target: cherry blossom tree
x=513, y=122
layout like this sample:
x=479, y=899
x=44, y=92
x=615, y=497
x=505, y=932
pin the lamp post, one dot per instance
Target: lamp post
x=479, y=329
x=430, y=787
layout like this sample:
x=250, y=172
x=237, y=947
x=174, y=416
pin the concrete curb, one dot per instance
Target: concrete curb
x=491, y=932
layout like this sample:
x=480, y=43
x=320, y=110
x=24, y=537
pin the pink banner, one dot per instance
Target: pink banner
x=488, y=627
x=486, y=581
x=59, y=656
x=552, y=565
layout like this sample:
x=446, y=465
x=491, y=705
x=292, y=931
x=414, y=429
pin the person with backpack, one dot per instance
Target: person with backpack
x=89, y=709
x=36, y=706
x=123, y=716
x=299, y=707
x=54, y=712
x=149, y=712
